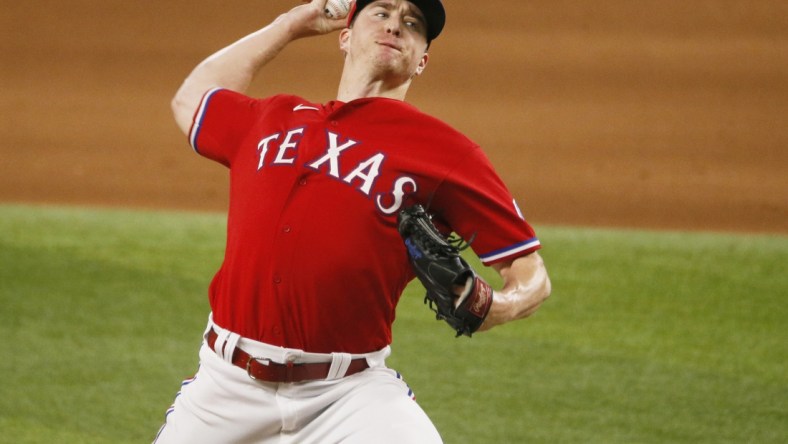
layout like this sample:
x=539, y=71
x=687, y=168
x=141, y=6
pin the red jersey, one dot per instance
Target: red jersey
x=314, y=260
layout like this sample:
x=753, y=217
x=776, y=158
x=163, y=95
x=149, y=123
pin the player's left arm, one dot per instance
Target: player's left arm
x=525, y=286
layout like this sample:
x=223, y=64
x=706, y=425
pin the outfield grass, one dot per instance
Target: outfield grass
x=649, y=337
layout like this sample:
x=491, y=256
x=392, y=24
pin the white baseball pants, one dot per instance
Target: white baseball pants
x=223, y=405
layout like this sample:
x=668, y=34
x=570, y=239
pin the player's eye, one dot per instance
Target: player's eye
x=413, y=23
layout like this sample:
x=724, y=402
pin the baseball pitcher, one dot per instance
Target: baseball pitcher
x=334, y=208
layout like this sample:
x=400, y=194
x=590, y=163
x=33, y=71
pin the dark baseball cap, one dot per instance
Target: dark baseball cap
x=432, y=9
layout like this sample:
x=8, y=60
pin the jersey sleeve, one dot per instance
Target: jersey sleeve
x=477, y=205
x=220, y=123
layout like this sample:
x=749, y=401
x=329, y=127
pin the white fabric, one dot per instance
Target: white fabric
x=339, y=365
x=221, y=404
x=229, y=346
x=218, y=346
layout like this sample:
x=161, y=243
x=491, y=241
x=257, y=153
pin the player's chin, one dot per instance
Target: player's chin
x=390, y=57
x=392, y=67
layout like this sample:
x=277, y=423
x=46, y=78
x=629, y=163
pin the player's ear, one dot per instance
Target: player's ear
x=422, y=64
x=344, y=39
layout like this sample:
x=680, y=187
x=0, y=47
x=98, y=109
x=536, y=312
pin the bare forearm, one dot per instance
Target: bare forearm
x=526, y=286
x=235, y=66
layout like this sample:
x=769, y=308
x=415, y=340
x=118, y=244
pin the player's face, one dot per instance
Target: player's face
x=388, y=36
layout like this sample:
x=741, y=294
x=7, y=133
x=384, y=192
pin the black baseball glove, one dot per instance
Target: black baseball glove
x=454, y=291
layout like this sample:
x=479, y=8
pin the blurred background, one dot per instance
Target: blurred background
x=659, y=114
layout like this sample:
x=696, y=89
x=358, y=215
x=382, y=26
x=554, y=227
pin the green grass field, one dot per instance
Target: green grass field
x=649, y=337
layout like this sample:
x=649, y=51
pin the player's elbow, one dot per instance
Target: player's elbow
x=537, y=287
x=544, y=286
x=182, y=110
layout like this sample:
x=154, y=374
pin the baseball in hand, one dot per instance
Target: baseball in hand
x=337, y=9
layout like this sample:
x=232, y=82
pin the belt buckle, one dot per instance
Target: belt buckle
x=262, y=361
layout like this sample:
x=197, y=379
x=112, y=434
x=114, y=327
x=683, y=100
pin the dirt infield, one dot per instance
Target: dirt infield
x=661, y=114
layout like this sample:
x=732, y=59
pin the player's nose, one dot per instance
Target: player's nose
x=393, y=26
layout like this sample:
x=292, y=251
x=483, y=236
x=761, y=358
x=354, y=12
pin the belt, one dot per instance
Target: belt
x=265, y=370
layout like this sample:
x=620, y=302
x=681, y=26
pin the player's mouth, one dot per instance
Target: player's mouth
x=389, y=44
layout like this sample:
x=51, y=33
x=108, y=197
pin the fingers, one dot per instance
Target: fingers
x=310, y=19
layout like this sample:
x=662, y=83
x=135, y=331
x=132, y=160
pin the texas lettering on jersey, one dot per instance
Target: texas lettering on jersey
x=306, y=181
x=362, y=176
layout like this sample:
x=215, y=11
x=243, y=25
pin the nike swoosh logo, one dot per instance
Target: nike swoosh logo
x=302, y=107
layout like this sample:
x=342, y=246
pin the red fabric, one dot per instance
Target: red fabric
x=313, y=259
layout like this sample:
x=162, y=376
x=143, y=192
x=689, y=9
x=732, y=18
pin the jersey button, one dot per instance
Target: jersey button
x=302, y=182
x=286, y=228
x=334, y=123
x=277, y=279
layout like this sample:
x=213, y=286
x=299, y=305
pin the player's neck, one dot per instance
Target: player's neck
x=354, y=86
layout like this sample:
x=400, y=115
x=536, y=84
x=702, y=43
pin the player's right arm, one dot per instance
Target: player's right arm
x=235, y=66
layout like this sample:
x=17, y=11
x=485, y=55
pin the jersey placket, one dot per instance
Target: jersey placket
x=293, y=217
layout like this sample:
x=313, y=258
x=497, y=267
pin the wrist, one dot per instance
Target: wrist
x=499, y=312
